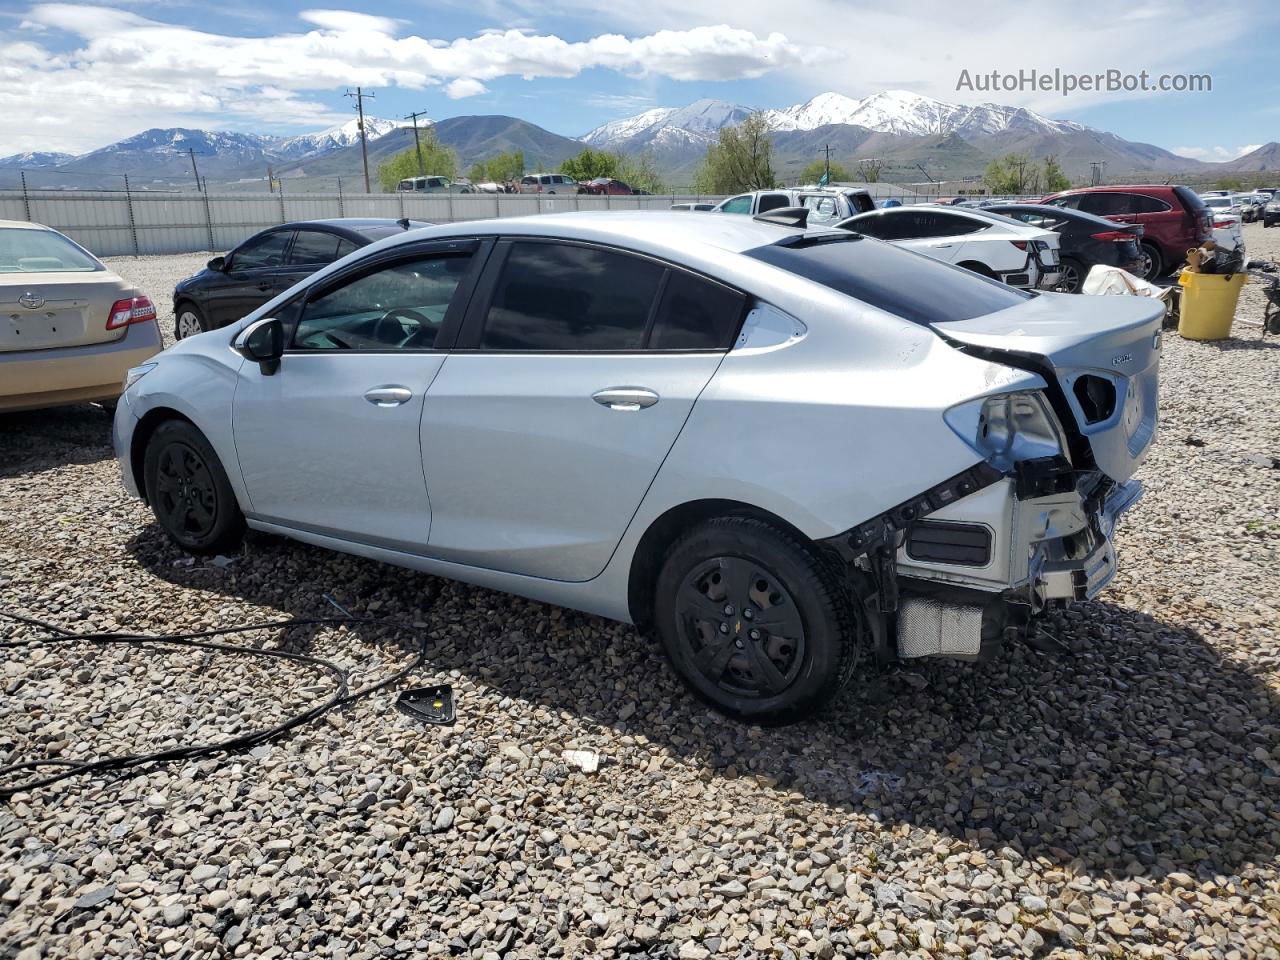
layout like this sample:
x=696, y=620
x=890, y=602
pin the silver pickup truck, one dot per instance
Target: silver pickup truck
x=827, y=205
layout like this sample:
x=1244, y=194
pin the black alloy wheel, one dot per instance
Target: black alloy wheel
x=189, y=492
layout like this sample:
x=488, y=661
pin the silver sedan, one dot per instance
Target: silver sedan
x=783, y=449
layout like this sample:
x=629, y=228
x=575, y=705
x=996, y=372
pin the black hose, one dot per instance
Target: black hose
x=341, y=695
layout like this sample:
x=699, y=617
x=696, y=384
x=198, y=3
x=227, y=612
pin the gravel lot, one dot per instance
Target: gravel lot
x=1119, y=800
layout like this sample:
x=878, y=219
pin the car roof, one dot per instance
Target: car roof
x=354, y=226
x=1117, y=188
x=653, y=230
x=25, y=225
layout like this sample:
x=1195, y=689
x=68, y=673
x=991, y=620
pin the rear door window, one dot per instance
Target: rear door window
x=737, y=205
x=773, y=201
x=314, y=247
x=1105, y=204
x=696, y=314
x=1138, y=203
x=568, y=297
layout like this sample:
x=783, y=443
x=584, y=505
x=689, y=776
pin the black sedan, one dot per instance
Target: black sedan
x=269, y=263
x=1086, y=240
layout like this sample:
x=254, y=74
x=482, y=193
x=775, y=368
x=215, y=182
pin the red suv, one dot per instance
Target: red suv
x=606, y=186
x=1173, y=218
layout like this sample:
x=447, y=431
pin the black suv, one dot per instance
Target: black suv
x=267, y=264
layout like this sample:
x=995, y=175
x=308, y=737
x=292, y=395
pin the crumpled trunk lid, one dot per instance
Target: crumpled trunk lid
x=1069, y=337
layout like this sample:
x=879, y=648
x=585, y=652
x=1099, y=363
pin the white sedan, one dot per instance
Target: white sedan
x=986, y=243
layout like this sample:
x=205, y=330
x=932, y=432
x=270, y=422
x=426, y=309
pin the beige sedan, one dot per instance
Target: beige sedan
x=69, y=327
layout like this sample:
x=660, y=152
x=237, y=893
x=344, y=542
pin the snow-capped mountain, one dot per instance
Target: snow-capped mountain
x=36, y=160
x=893, y=111
x=335, y=138
x=699, y=122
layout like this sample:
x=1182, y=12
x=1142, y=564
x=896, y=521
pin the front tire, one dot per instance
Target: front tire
x=189, y=321
x=189, y=492
x=759, y=623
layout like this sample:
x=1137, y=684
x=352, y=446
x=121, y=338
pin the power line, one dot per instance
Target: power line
x=360, y=97
x=416, y=142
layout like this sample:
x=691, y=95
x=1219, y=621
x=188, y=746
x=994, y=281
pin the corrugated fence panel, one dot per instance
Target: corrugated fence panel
x=114, y=223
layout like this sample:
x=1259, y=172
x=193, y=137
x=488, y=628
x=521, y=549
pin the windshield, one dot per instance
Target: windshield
x=1218, y=202
x=907, y=284
x=42, y=251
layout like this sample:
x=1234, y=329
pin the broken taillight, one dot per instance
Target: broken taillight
x=130, y=310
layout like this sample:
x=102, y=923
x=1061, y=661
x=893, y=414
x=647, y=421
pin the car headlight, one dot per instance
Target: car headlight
x=134, y=374
x=1009, y=427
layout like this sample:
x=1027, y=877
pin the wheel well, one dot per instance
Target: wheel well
x=665, y=530
x=977, y=267
x=142, y=433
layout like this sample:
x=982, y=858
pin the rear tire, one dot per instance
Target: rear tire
x=759, y=623
x=981, y=269
x=189, y=321
x=1152, y=261
x=1071, y=275
x=189, y=492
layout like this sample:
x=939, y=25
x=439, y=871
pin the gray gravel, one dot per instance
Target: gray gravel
x=1120, y=800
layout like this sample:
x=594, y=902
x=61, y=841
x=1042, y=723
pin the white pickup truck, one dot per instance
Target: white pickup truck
x=827, y=205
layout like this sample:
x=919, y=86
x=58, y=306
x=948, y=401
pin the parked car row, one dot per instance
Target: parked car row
x=554, y=406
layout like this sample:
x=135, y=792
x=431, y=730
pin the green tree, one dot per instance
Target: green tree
x=814, y=171
x=641, y=172
x=437, y=160
x=741, y=159
x=1229, y=183
x=590, y=164
x=498, y=169
x=1052, y=177
x=1011, y=174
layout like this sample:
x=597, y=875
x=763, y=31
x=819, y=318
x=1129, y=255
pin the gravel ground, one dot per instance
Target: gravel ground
x=1117, y=800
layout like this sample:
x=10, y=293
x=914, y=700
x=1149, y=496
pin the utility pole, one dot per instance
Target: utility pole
x=416, y=142
x=194, y=169
x=826, y=149
x=1097, y=169
x=359, y=97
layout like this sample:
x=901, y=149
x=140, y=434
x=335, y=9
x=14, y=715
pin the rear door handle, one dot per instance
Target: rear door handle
x=625, y=398
x=388, y=396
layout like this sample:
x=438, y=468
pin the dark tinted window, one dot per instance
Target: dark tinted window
x=1190, y=199
x=346, y=246
x=554, y=296
x=883, y=226
x=949, y=225
x=264, y=251
x=696, y=314
x=1142, y=204
x=313, y=246
x=773, y=201
x=398, y=307
x=903, y=283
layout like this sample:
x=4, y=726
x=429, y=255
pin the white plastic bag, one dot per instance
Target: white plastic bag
x=1105, y=281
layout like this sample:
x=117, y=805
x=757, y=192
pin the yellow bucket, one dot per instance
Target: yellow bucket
x=1209, y=304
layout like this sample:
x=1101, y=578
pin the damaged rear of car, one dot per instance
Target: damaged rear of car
x=1066, y=412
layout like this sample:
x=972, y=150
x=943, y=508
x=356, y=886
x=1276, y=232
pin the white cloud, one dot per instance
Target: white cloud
x=464, y=87
x=1215, y=153
x=128, y=70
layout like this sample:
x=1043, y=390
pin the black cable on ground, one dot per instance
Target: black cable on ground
x=341, y=695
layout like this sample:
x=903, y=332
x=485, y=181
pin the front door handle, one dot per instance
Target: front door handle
x=625, y=398
x=388, y=396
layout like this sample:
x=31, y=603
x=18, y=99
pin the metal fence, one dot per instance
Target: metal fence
x=121, y=223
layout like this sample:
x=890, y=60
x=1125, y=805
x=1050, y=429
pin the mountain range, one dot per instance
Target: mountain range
x=912, y=136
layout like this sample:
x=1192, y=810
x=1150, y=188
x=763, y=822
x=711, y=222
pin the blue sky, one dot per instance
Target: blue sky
x=78, y=76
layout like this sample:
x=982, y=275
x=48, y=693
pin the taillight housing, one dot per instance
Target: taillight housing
x=1020, y=244
x=1114, y=236
x=130, y=310
x=1222, y=224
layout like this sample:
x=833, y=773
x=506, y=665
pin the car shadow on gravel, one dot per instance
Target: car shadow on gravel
x=34, y=441
x=1138, y=750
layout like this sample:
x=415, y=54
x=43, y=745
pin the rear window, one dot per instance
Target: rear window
x=906, y=284
x=1190, y=199
x=42, y=251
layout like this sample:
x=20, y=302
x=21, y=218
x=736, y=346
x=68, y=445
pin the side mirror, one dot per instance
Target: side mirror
x=217, y=263
x=263, y=341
